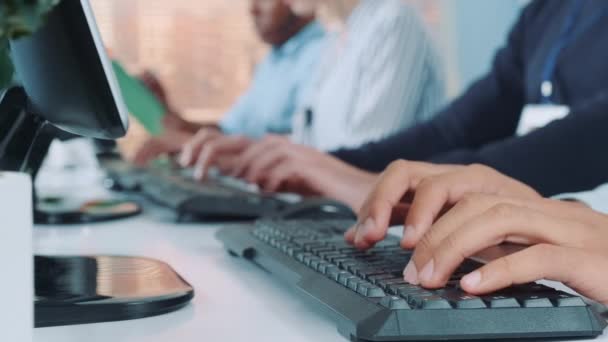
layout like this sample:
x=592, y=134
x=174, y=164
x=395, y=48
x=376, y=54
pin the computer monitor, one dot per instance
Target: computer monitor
x=67, y=87
x=67, y=75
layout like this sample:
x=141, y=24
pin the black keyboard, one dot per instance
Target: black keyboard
x=366, y=294
x=174, y=189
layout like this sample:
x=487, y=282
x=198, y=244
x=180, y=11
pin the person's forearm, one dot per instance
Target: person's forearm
x=565, y=156
x=414, y=144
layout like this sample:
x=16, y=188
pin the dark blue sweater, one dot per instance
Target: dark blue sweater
x=479, y=127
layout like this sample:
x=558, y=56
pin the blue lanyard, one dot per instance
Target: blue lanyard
x=567, y=35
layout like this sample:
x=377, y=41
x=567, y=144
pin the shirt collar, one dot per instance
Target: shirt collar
x=310, y=32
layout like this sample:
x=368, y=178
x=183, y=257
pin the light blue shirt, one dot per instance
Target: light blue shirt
x=270, y=102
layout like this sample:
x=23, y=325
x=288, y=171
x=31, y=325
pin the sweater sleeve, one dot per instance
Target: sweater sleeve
x=571, y=149
x=488, y=111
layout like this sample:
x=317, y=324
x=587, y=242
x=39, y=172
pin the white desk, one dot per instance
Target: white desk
x=234, y=301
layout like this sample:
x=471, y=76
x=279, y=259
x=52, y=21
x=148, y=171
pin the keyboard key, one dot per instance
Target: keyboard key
x=370, y=290
x=431, y=302
x=461, y=300
x=309, y=258
x=322, y=267
x=292, y=251
x=331, y=270
x=368, y=272
x=337, y=275
x=314, y=264
x=374, y=279
x=501, y=302
x=535, y=302
x=385, y=283
x=566, y=300
x=394, y=303
x=322, y=249
x=345, y=277
x=302, y=256
x=327, y=254
x=412, y=293
x=353, y=283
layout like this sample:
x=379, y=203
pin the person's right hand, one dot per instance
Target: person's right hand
x=170, y=142
x=210, y=147
x=565, y=242
x=416, y=194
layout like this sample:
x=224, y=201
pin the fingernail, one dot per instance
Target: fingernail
x=409, y=234
x=471, y=280
x=184, y=158
x=426, y=275
x=410, y=274
x=198, y=173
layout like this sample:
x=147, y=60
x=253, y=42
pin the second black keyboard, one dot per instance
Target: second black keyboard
x=190, y=199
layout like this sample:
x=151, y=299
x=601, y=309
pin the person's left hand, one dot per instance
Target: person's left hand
x=567, y=243
x=210, y=148
x=276, y=164
x=170, y=142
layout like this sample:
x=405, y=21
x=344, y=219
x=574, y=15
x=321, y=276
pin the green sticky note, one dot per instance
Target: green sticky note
x=140, y=101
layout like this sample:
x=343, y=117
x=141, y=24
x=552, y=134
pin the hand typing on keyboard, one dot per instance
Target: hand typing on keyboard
x=567, y=243
x=211, y=148
x=415, y=194
x=456, y=214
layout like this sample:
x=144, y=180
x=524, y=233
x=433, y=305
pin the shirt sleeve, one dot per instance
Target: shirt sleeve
x=233, y=119
x=488, y=111
x=596, y=199
x=390, y=84
x=567, y=155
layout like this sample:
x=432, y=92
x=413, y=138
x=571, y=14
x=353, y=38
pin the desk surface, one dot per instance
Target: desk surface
x=234, y=301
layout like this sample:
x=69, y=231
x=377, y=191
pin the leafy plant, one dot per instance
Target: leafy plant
x=18, y=18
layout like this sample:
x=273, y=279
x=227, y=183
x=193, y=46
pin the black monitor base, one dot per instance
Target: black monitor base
x=51, y=211
x=80, y=290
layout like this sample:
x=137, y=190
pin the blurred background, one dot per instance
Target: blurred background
x=205, y=52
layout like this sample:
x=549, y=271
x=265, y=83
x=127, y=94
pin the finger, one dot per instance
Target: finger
x=437, y=194
x=542, y=261
x=193, y=148
x=472, y=206
x=393, y=186
x=245, y=160
x=278, y=176
x=226, y=164
x=142, y=157
x=259, y=167
x=504, y=222
x=221, y=148
x=375, y=215
x=398, y=215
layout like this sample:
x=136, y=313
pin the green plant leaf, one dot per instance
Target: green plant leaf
x=18, y=18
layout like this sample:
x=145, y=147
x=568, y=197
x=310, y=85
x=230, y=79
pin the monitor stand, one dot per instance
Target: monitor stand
x=93, y=289
x=82, y=289
x=25, y=141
